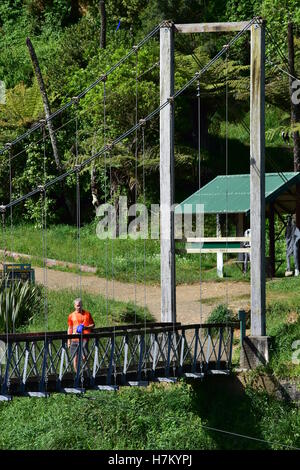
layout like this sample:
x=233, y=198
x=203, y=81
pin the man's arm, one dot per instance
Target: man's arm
x=91, y=323
x=70, y=330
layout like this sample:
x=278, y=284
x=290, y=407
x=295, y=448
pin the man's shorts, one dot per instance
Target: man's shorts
x=74, y=349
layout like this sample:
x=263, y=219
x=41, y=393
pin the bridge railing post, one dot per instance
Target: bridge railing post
x=242, y=318
x=111, y=360
x=182, y=345
x=220, y=347
x=230, y=347
x=167, y=368
x=61, y=366
x=126, y=347
x=77, y=377
x=44, y=367
x=24, y=375
x=141, y=356
x=154, y=356
x=96, y=363
x=195, y=350
x=5, y=385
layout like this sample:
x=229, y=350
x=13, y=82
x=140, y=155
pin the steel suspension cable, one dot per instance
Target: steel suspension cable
x=78, y=224
x=105, y=197
x=5, y=288
x=198, y=95
x=11, y=222
x=282, y=70
x=145, y=234
x=279, y=49
x=132, y=129
x=44, y=233
x=136, y=178
x=84, y=92
x=76, y=131
x=42, y=121
x=226, y=162
x=227, y=205
x=234, y=434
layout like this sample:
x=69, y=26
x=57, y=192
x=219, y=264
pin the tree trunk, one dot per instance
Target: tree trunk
x=103, y=24
x=295, y=116
x=41, y=83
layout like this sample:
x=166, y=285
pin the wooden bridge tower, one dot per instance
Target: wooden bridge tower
x=257, y=341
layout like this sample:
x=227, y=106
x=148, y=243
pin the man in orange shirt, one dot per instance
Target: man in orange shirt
x=79, y=322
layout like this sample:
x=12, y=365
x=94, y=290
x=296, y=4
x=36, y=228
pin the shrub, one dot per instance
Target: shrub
x=19, y=302
x=221, y=314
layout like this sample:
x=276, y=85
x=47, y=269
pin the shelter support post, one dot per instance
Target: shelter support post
x=167, y=244
x=219, y=255
x=272, y=240
x=240, y=224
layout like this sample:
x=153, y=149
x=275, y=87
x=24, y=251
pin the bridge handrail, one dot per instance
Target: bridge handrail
x=130, y=331
x=60, y=333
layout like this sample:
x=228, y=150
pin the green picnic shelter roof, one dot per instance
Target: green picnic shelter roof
x=231, y=194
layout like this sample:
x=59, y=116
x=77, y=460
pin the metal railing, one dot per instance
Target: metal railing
x=112, y=356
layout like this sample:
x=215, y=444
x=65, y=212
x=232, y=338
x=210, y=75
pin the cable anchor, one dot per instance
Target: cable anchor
x=167, y=24
x=77, y=168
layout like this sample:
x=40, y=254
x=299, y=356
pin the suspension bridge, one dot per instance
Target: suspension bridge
x=35, y=364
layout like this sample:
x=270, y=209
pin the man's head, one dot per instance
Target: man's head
x=78, y=305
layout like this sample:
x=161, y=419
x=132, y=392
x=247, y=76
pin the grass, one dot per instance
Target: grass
x=121, y=259
x=160, y=417
x=170, y=417
x=60, y=304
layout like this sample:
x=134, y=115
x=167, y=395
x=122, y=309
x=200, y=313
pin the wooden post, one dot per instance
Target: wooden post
x=272, y=240
x=240, y=217
x=257, y=179
x=219, y=255
x=240, y=225
x=167, y=245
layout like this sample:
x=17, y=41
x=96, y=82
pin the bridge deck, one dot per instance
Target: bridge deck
x=42, y=362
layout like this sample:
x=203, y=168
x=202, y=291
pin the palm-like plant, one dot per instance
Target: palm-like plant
x=19, y=302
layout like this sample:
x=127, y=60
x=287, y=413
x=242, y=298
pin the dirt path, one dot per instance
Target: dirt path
x=187, y=296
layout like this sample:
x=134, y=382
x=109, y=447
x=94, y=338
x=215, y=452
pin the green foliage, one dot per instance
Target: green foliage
x=23, y=106
x=284, y=332
x=61, y=302
x=130, y=419
x=221, y=314
x=19, y=303
x=118, y=258
x=157, y=418
x=66, y=39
